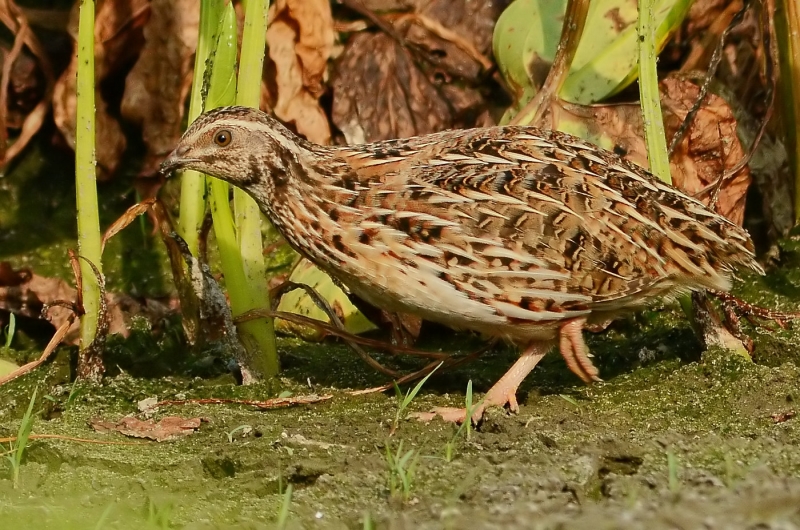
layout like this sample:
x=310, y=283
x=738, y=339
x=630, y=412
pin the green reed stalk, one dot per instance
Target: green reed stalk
x=248, y=215
x=256, y=336
x=787, y=29
x=85, y=177
x=193, y=184
x=654, y=134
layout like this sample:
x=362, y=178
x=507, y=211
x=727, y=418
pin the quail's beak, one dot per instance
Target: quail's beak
x=176, y=160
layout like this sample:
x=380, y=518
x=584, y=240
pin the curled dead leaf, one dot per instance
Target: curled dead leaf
x=157, y=86
x=709, y=149
x=300, y=38
x=379, y=93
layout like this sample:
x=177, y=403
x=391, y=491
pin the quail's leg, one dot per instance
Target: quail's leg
x=502, y=392
x=575, y=352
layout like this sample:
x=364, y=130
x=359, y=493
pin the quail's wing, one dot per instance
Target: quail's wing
x=537, y=223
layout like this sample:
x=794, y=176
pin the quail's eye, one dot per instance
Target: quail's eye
x=222, y=138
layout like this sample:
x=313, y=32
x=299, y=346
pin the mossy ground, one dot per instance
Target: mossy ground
x=574, y=455
x=674, y=438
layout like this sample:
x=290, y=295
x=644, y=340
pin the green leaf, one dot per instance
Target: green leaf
x=528, y=32
x=300, y=303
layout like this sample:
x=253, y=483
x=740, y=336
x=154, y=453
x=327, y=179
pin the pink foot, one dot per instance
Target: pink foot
x=575, y=352
x=503, y=392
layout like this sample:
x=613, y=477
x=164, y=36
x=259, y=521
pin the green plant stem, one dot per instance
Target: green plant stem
x=256, y=336
x=248, y=215
x=649, y=95
x=787, y=29
x=193, y=184
x=85, y=177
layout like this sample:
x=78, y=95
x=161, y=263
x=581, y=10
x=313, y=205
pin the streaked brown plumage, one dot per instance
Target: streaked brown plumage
x=514, y=232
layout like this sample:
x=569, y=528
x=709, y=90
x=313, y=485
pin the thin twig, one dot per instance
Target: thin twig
x=450, y=362
x=8, y=63
x=336, y=332
x=71, y=439
x=14, y=19
x=58, y=336
x=322, y=303
x=266, y=404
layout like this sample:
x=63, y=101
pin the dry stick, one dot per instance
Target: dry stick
x=49, y=349
x=14, y=18
x=571, y=31
x=449, y=362
x=10, y=58
x=267, y=404
x=439, y=358
x=71, y=439
x=337, y=332
x=322, y=303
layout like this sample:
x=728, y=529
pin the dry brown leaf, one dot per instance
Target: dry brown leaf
x=169, y=428
x=300, y=39
x=708, y=150
x=116, y=40
x=157, y=86
x=386, y=89
x=472, y=25
x=379, y=93
x=26, y=294
x=15, y=19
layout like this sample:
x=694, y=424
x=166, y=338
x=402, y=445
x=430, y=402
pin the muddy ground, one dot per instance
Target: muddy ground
x=674, y=438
